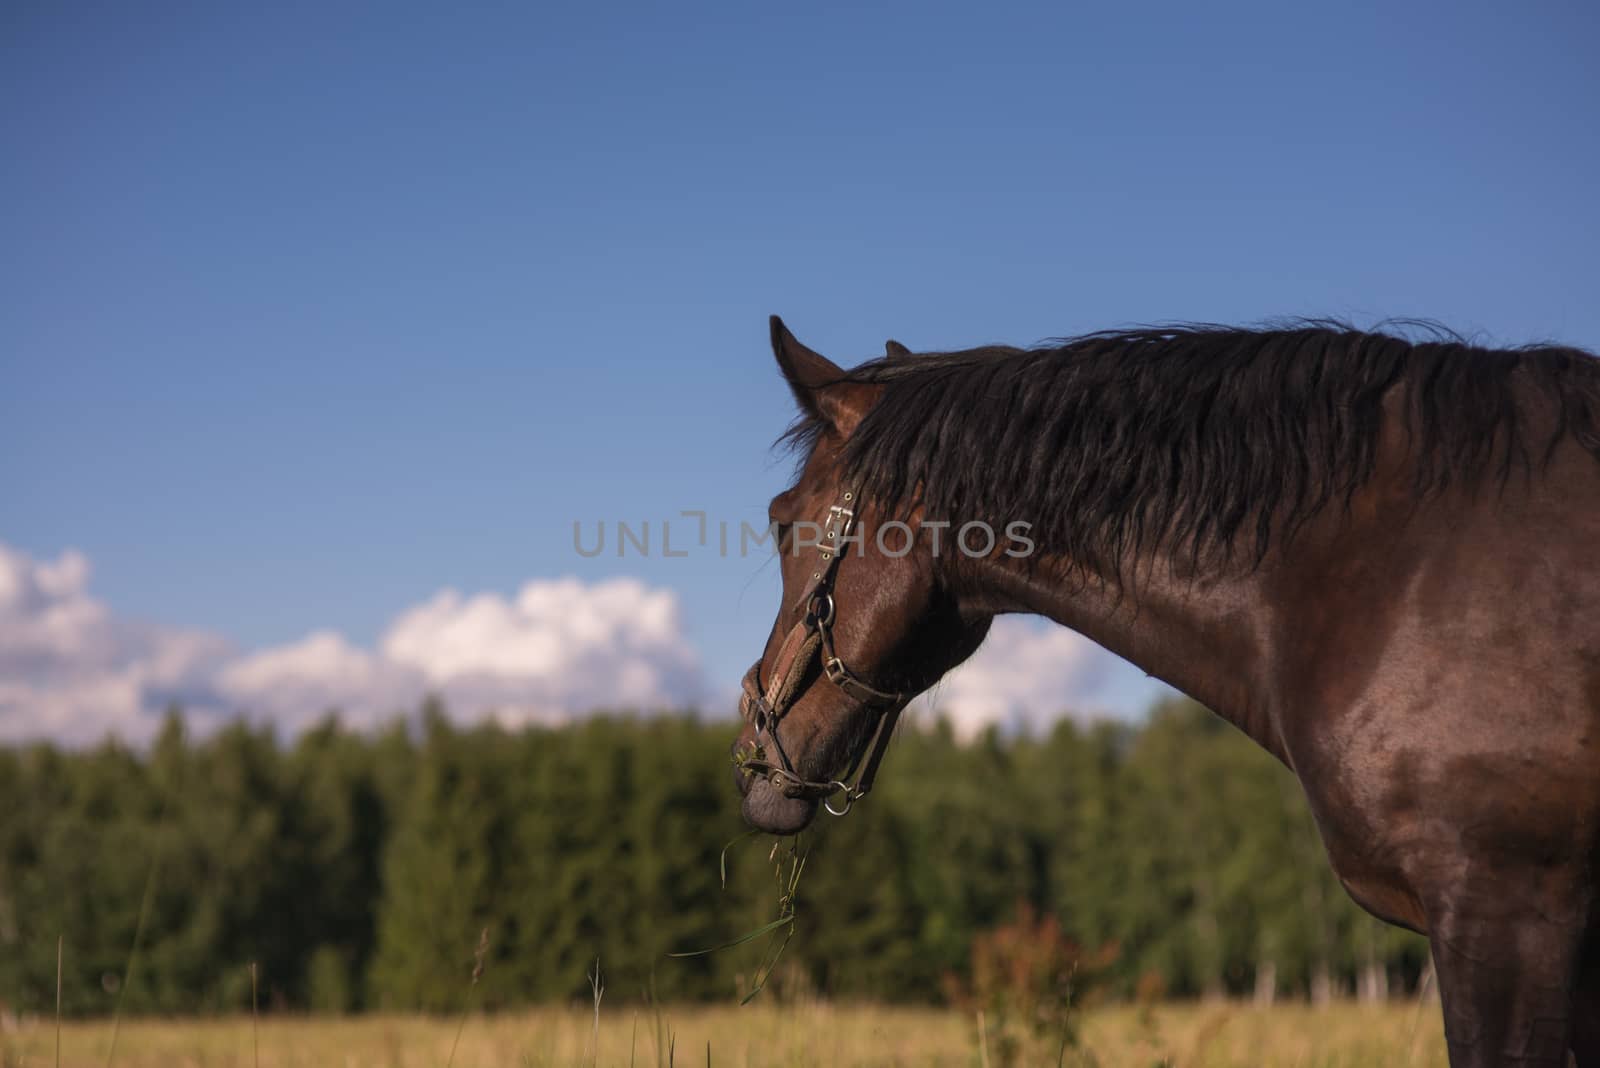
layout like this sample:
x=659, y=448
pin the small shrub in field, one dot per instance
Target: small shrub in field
x=1150, y=988
x=1026, y=976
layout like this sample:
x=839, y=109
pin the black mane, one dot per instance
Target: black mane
x=1194, y=436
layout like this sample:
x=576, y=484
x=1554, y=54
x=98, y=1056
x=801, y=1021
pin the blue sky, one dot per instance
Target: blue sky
x=308, y=312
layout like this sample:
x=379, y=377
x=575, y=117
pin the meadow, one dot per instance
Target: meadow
x=379, y=886
x=1182, y=1035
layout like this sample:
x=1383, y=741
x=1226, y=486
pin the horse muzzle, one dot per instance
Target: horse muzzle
x=769, y=809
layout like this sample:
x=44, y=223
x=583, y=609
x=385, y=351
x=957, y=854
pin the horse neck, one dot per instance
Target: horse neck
x=1205, y=634
x=1234, y=637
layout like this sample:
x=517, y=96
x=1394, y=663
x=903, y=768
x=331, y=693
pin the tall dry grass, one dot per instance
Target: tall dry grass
x=757, y=1036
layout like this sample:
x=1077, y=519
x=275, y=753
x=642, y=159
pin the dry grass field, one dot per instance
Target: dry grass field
x=1183, y=1036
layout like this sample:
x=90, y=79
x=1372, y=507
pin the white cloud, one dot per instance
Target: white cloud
x=294, y=685
x=558, y=647
x=47, y=618
x=71, y=671
x=1027, y=674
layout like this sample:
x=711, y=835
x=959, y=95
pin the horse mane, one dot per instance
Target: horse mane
x=1196, y=438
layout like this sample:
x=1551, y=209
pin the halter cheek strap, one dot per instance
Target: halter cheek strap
x=808, y=639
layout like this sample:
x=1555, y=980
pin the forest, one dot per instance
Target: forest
x=1169, y=858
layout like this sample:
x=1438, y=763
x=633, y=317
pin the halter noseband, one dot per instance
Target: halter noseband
x=765, y=708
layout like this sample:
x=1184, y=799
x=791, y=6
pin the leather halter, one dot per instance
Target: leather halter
x=766, y=706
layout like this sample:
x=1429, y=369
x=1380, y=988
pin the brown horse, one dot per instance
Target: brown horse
x=1375, y=556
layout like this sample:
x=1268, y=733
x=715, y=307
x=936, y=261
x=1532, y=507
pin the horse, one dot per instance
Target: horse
x=1374, y=553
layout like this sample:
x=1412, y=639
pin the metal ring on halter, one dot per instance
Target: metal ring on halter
x=850, y=797
x=821, y=619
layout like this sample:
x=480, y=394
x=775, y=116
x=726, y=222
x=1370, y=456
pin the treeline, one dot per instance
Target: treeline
x=358, y=871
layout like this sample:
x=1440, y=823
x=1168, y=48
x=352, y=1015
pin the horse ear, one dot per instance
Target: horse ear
x=807, y=371
x=894, y=350
x=817, y=382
